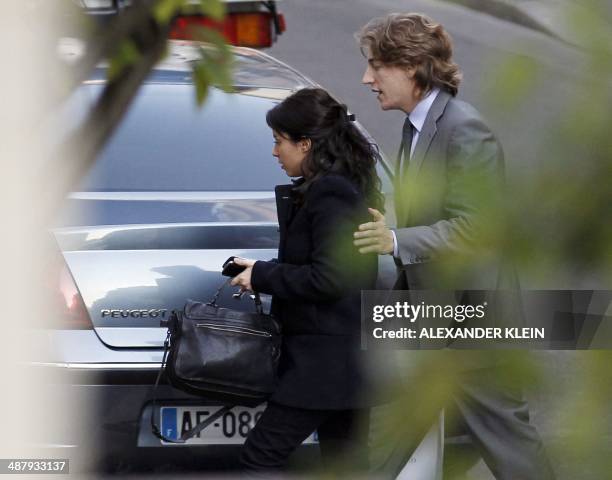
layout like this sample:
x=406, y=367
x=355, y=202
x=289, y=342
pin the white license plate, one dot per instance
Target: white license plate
x=229, y=429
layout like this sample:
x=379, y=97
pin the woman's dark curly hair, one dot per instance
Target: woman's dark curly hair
x=337, y=144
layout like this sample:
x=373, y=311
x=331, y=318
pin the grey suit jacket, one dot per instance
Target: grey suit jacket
x=447, y=204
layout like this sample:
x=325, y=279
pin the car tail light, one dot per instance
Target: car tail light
x=241, y=29
x=69, y=305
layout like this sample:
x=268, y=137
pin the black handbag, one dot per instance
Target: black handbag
x=221, y=354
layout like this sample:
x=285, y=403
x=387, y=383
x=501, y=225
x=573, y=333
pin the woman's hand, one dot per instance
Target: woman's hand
x=243, y=280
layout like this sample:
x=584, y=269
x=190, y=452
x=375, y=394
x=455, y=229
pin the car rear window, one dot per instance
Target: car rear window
x=166, y=143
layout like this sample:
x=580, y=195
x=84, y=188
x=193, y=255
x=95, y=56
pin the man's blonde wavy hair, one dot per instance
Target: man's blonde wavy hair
x=413, y=40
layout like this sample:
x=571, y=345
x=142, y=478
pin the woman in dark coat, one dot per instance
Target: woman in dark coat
x=315, y=283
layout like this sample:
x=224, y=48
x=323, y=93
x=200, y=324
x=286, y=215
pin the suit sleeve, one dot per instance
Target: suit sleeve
x=473, y=186
x=331, y=208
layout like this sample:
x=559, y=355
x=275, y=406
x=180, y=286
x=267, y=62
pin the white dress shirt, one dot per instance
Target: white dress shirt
x=417, y=118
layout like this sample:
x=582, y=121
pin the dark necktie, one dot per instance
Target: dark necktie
x=407, y=134
x=400, y=170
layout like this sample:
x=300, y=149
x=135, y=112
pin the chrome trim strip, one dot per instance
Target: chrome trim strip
x=171, y=196
x=106, y=229
x=132, y=337
x=51, y=445
x=98, y=366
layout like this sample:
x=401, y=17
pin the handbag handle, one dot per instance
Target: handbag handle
x=254, y=296
x=192, y=431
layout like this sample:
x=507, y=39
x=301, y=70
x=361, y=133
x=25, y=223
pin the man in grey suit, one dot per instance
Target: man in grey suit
x=448, y=180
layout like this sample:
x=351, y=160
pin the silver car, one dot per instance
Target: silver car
x=176, y=191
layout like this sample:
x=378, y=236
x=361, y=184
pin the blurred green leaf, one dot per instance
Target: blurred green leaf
x=126, y=55
x=589, y=21
x=215, y=9
x=213, y=37
x=221, y=66
x=165, y=10
x=216, y=59
x=512, y=80
x=202, y=81
x=214, y=68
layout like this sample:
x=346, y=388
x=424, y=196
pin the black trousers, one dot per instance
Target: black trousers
x=342, y=434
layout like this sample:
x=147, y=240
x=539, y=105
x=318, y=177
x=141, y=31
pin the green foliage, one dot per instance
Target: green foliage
x=558, y=228
x=213, y=68
x=559, y=204
x=590, y=21
x=126, y=55
x=165, y=10
x=202, y=80
x=215, y=9
x=561, y=221
x=512, y=80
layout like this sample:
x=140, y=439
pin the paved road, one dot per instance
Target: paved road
x=319, y=42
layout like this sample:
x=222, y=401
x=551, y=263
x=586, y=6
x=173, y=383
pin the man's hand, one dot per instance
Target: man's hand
x=243, y=280
x=374, y=236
